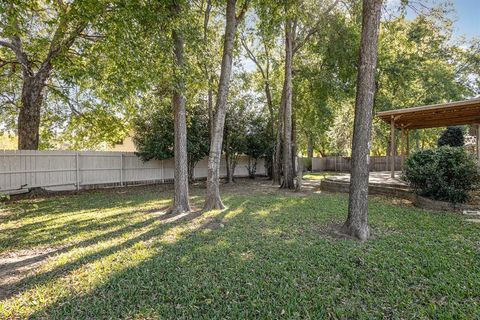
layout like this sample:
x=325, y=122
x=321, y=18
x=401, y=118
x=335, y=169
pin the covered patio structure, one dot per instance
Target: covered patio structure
x=465, y=112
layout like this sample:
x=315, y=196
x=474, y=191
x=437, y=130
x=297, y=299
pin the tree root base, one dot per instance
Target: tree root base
x=213, y=204
x=359, y=233
x=178, y=210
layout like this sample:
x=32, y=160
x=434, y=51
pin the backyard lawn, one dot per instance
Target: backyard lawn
x=271, y=254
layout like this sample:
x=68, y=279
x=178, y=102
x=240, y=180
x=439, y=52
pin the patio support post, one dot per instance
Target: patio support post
x=392, y=146
x=478, y=144
x=402, y=148
x=408, y=142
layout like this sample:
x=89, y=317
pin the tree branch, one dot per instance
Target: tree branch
x=21, y=55
x=243, y=11
x=252, y=56
x=313, y=30
x=7, y=44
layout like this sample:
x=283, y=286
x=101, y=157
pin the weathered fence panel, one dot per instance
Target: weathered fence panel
x=343, y=164
x=64, y=170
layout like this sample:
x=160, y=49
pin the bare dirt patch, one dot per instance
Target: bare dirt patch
x=15, y=266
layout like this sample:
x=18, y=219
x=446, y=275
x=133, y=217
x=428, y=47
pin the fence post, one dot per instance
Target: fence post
x=77, y=176
x=163, y=172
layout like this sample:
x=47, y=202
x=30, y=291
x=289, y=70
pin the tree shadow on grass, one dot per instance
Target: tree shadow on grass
x=39, y=233
x=268, y=261
x=153, y=230
x=206, y=268
x=61, y=206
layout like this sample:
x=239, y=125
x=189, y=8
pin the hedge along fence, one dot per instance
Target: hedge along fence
x=69, y=170
x=343, y=164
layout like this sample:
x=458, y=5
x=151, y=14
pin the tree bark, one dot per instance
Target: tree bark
x=294, y=144
x=210, y=110
x=229, y=175
x=231, y=160
x=268, y=94
x=213, y=200
x=310, y=147
x=31, y=103
x=288, y=170
x=34, y=83
x=180, y=199
x=357, y=221
x=207, y=71
x=277, y=163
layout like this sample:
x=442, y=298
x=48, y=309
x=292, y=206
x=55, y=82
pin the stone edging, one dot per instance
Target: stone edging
x=426, y=203
x=397, y=192
x=342, y=186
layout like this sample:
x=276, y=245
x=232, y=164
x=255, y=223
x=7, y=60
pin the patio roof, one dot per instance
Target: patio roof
x=433, y=116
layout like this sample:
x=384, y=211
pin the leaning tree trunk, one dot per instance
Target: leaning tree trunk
x=213, y=200
x=357, y=221
x=31, y=103
x=180, y=199
x=288, y=171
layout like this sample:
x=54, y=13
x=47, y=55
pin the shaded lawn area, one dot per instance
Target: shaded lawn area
x=269, y=255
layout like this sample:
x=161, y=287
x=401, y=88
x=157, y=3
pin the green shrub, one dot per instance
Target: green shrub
x=446, y=174
x=3, y=198
x=452, y=136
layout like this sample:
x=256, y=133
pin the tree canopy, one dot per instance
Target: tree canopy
x=111, y=64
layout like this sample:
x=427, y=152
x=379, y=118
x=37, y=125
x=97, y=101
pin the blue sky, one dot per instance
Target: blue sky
x=466, y=15
x=468, y=18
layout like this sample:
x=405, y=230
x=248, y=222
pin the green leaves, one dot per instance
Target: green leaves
x=154, y=134
x=447, y=173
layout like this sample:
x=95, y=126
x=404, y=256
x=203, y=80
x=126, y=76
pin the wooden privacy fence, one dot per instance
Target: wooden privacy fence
x=70, y=170
x=344, y=163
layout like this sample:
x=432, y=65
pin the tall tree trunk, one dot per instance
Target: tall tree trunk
x=268, y=94
x=208, y=75
x=213, y=200
x=271, y=124
x=265, y=72
x=310, y=147
x=210, y=110
x=277, y=161
x=180, y=199
x=227, y=162
x=294, y=144
x=31, y=103
x=288, y=170
x=231, y=160
x=357, y=221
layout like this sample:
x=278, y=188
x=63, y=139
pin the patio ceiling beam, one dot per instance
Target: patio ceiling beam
x=433, y=116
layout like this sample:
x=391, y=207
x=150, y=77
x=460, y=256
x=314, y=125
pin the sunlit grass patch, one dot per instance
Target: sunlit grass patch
x=117, y=255
x=318, y=175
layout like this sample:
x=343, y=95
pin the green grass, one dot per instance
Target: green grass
x=318, y=175
x=266, y=256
